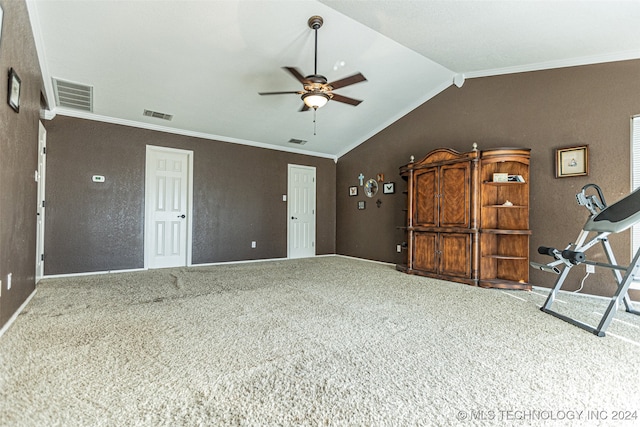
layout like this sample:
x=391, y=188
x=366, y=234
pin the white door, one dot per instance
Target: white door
x=169, y=174
x=40, y=178
x=301, y=228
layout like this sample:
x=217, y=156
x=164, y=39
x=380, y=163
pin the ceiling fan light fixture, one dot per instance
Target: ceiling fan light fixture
x=315, y=100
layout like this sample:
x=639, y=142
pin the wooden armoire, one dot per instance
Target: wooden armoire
x=468, y=217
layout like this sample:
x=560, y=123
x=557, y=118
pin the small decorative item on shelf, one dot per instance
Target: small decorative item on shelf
x=516, y=178
x=507, y=203
x=500, y=177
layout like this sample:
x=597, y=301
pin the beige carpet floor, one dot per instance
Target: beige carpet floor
x=321, y=341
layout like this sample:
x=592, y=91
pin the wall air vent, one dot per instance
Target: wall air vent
x=73, y=95
x=297, y=141
x=157, y=115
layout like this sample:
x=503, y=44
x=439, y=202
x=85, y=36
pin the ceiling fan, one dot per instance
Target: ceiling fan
x=316, y=91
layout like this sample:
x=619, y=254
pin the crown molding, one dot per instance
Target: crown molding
x=562, y=63
x=166, y=129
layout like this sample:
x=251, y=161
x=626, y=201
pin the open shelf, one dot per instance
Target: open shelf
x=504, y=231
x=506, y=257
x=507, y=206
x=503, y=183
x=504, y=284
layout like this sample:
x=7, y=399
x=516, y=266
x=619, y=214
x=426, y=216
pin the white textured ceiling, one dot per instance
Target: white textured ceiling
x=205, y=61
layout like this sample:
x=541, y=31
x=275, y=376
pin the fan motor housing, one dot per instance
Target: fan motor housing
x=315, y=22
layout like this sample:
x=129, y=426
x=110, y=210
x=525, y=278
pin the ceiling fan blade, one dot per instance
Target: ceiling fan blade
x=305, y=107
x=345, y=99
x=297, y=74
x=356, y=78
x=279, y=93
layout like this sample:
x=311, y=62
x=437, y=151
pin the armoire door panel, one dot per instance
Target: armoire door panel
x=426, y=192
x=456, y=254
x=425, y=255
x=455, y=198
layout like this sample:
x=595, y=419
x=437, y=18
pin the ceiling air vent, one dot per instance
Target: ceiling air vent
x=73, y=95
x=157, y=115
x=297, y=141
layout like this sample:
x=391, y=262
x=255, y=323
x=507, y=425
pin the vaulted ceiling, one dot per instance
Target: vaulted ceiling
x=204, y=62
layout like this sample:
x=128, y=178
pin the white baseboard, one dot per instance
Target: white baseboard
x=17, y=313
x=244, y=261
x=91, y=273
x=364, y=259
x=207, y=264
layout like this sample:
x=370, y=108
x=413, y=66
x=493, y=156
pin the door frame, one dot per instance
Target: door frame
x=41, y=207
x=147, y=207
x=289, y=204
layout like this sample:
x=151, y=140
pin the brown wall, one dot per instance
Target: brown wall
x=237, y=197
x=18, y=159
x=541, y=110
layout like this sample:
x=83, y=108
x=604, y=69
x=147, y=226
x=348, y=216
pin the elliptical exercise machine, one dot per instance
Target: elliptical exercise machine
x=604, y=220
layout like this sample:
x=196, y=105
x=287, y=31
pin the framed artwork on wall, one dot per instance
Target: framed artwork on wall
x=13, y=95
x=353, y=191
x=572, y=161
x=362, y=205
x=388, y=188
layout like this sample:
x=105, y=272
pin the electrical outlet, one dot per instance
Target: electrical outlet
x=398, y=248
x=9, y=281
x=253, y=245
x=590, y=269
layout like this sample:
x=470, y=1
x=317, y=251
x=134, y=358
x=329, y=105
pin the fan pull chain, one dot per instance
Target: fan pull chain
x=314, y=121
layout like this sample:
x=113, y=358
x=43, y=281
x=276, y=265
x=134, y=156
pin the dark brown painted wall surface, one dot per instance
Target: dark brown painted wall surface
x=237, y=197
x=541, y=110
x=18, y=159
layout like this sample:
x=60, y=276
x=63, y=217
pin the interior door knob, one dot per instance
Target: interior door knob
x=182, y=216
x=293, y=217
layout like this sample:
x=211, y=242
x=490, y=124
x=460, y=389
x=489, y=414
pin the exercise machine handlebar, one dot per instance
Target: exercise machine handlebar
x=593, y=203
x=544, y=250
x=573, y=257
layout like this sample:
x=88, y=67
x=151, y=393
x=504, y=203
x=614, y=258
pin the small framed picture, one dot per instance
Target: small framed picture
x=1, y=21
x=388, y=188
x=13, y=95
x=362, y=205
x=353, y=191
x=572, y=161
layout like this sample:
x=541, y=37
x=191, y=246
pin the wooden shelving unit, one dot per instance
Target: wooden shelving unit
x=464, y=227
x=504, y=220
